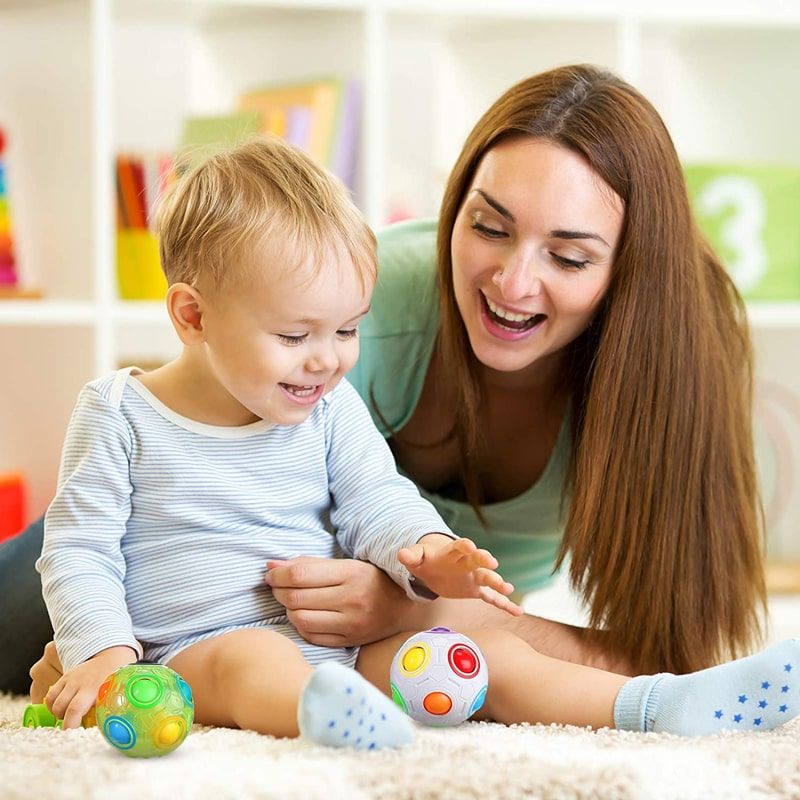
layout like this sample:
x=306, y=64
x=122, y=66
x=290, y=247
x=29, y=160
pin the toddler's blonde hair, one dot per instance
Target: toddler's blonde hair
x=265, y=192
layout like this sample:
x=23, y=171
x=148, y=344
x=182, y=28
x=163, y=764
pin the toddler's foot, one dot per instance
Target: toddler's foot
x=756, y=693
x=339, y=708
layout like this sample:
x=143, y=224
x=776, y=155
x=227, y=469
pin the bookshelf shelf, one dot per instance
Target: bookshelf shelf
x=773, y=314
x=46, y=312
x=140, y=312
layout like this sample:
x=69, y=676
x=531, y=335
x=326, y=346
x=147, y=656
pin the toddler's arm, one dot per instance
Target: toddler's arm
x=375, y=510
x=82, y=566
x=457, y=568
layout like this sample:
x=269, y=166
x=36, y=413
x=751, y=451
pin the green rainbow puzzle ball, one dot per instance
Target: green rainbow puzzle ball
x=145, y=710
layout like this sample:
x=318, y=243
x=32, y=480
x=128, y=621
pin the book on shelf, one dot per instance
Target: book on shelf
x=749, y=214
x=203, y=136
x=140, y=180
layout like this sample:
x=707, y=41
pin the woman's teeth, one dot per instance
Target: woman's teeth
x=509, y=315
x=510, y=320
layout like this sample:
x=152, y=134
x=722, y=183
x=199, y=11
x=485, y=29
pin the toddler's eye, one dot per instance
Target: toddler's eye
x=292, y=339
x=350, y=333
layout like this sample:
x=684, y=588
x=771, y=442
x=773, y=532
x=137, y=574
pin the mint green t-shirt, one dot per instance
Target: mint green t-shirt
x=397, y=340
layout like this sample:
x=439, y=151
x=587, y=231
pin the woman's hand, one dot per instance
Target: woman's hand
x=338, y=602
x=45, y=672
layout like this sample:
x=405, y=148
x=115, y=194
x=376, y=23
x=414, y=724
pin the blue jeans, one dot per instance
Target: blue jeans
x=24, y=624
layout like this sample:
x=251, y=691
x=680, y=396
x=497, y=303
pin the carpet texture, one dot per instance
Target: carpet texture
x=476, y=760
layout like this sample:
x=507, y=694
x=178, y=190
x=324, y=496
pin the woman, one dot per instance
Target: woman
x=564, y=369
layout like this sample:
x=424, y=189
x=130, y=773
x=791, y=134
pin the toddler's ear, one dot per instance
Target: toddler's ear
x=184, y=304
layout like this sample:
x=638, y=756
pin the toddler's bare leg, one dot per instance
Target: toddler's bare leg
x=248, y=679
x=524, y=685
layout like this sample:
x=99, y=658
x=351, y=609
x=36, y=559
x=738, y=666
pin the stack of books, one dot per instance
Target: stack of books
x=8, y=268
x=322, y=117
x=140, y=180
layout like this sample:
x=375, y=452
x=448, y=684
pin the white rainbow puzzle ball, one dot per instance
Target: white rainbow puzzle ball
x=439, y=677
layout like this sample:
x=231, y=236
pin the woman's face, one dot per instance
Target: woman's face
x=532, y=250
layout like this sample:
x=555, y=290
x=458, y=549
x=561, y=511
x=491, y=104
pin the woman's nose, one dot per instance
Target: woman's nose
x=518, y=276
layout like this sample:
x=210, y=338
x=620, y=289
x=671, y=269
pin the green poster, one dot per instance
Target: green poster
x=751, y=216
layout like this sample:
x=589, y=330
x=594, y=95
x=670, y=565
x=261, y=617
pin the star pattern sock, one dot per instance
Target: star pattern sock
x=339, y=708
x=756, y=693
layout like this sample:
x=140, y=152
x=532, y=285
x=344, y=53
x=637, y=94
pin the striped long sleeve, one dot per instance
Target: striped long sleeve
x=376, y=510
x=82, y=566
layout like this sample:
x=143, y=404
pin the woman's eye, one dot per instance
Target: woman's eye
x=351, y=333
x=568, y=262
x=489, y=233
x=287, y=339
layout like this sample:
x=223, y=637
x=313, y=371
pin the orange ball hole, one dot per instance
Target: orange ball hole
x=437, y=703
x=103, y=691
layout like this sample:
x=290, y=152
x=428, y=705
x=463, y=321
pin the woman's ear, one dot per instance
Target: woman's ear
x=185, y=307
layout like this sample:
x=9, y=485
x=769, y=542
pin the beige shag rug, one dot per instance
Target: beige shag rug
x=477, y=760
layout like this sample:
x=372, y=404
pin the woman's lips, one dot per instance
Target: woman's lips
x=504, y=329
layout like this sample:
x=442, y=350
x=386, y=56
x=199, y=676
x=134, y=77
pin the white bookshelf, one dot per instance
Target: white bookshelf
x=85, y=79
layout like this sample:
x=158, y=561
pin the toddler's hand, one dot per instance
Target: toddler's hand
x=457, y=568
x=74, y=693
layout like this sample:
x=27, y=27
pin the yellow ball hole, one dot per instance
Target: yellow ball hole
x=169, y=733
x=413, y=659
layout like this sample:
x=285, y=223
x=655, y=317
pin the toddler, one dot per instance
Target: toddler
x=178, y=485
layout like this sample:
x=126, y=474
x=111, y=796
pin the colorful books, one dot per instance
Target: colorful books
x=8, y=265
x=321, y=97
x=139, y=183
x=323, y=117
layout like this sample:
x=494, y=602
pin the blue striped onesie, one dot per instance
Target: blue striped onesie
x=161, y=526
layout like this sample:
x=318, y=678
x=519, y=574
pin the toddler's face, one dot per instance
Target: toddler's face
x=277, y=344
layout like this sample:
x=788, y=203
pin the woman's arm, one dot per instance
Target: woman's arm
x=344, y=602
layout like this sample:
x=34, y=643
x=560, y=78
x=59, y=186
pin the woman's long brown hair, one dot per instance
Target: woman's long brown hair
x=663, y=518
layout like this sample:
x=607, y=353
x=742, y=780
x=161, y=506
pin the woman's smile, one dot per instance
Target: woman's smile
x=508, y=325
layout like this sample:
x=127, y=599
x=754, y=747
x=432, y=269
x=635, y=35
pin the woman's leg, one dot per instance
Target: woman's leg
x=524, y=685
x=555, y=639
x=24, y=624
x=753, y=693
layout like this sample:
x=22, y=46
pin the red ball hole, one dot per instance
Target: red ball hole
x=463, y=660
